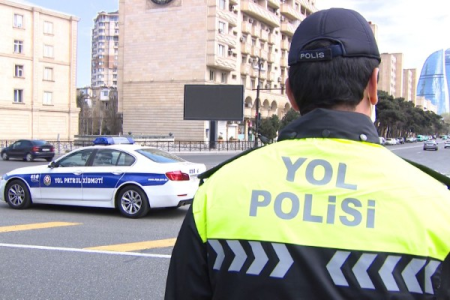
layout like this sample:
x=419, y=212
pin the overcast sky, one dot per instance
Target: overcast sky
x=415, y=28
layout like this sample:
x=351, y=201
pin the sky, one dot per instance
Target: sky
x=415, y=28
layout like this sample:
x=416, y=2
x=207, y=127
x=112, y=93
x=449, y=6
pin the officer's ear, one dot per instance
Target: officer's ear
x=291, y=95
x=372, y=87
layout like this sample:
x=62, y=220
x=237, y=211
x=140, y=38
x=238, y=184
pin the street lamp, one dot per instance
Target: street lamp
x=260, y=63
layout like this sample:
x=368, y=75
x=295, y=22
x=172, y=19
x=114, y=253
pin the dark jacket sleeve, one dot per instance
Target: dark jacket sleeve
x=188, y=276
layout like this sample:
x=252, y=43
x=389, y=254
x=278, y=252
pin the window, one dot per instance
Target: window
x=48, y=74
x=18, y=21
x=18, y=71
x=221, y=27
x=47, y=100
x=48, y=27
x=18, y=96
x=76, y=159
x=48, y=51
x=18, y=46
x=222, y=4
x=211, y=75
x=221, y=50
x=224, y=78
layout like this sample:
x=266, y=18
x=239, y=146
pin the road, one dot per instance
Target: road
x=57, y=252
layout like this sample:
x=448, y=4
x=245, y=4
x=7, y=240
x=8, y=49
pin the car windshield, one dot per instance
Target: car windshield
x=159, y=156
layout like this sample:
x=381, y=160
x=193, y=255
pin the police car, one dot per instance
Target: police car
x=114, y=173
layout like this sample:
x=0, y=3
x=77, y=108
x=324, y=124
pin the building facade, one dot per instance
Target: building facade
x=409, y=85
x=162, y=47
x=38, y=66
x=434, y=80
x=391, y=74
x=105, y=48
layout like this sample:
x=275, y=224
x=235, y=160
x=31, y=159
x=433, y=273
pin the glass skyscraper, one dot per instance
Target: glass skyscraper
x=434, y=80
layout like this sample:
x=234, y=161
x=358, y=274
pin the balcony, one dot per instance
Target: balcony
x=271, y=76
x=246, y=27
x=287, y=29
x=264, y=55
x=256, y=31
x=284, y=62
x=259, y=13
x=256, y=52
x=227, y=39
x=284, y=45
x=228, y=16
x=246, y=48
x=245, y=69
x=274, y=3
x=234, y=2
x=227, y=63
x=290, y=12
x=272, y=39
x=264, y=36
x=271, y=58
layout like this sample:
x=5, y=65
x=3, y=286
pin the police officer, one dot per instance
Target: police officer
x=327, y=212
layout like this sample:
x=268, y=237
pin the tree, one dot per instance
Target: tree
x=290, y=116
x=269, y=127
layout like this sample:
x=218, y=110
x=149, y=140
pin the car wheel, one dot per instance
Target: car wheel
x=5, y=156
x=17, y=195
x=29, y=157
x=133, y=202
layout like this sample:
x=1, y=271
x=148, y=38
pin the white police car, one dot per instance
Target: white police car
x=113, y=173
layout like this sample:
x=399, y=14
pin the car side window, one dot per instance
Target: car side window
x=106, y=157
x=125, y=159
x=76, y=159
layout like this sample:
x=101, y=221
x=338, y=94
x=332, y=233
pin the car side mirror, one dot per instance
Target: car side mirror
x=53, y=165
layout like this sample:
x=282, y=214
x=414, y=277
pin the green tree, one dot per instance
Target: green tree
x=290, y=116
x=269, y=127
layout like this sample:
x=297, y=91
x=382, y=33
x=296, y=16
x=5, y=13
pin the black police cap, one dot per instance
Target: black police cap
x=350, y=32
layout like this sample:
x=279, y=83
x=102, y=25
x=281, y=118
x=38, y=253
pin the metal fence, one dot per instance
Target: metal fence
x=63, y=147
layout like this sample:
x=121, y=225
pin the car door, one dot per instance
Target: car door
x=16, y=150
x=101, y=178
x=64, y=181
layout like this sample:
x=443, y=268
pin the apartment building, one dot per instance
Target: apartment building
x=38, y=70
x=166, y=44
x=391, y=74
x=409, y=85
x=105, y=48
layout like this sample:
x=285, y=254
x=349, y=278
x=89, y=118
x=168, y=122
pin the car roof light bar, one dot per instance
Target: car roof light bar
x=117, y=140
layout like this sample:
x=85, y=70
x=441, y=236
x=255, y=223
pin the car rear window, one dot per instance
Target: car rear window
x=159, y=156
x=39, y=142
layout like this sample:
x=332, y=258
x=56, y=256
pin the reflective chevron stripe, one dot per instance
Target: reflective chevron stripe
x=284, y=258
x=260, y=261
x=386, y=272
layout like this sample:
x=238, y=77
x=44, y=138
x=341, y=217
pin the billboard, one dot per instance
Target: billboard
x=214, y=102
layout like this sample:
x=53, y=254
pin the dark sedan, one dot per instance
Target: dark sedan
x=430, y=145
x=29, y=150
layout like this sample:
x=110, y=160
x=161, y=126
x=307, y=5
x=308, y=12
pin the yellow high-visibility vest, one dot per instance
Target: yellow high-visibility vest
x=330, y=193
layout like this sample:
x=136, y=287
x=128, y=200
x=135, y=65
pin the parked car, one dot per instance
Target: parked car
x=447, y=144
x=391, y=141
x=430, y=145
x=29, y=150
x=110, y=174
x=382, y=140
x=400, y=140
x=411, y=139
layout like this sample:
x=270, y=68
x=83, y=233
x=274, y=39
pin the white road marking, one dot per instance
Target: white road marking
x=84, y=250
